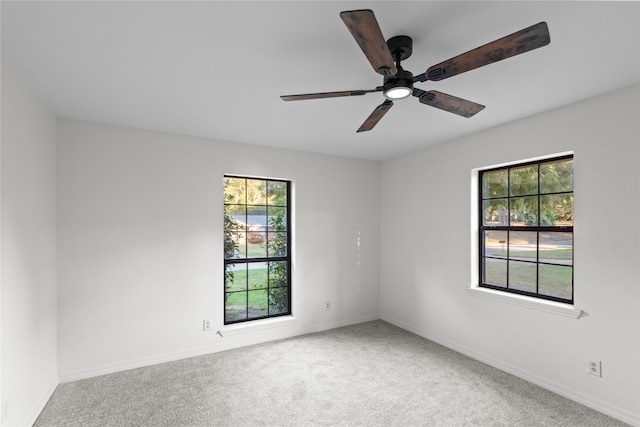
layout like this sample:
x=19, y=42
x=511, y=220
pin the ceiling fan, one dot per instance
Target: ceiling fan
x=385, y=57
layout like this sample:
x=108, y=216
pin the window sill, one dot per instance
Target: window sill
x=551, y=307
x=256, y=325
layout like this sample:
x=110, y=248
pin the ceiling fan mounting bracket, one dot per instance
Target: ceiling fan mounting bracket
x=400, y=45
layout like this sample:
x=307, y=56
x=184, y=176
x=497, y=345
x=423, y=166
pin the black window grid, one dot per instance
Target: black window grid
x=538, y=229
x=268, y=259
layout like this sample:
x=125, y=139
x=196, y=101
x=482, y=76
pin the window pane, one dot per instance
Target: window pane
x=277, y=273
x=522, y=276
x=235, y=213
x=235, y=306
x=234, y=190
x=258, y=303
x=235, y=277
x=556, y=248
x=524, y=180
x=278, y=300
x=232, y=314
x=524, y=211
x=257, y=275
x=231, y=245
x=494, y=184
x=495, y=272
x=235, y=244
x=257, y=218
x=495, y=243
x=556, y=209
x=277, y=244
x=256, y=244
x=256, y=192
x=277, y=219
x=277, y=193
x=555, y=280
x=523, y=245
x=494, y=212
x=556, y=176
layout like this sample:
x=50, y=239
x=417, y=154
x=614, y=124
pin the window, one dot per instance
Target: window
x=257, y=238
x=526, y=229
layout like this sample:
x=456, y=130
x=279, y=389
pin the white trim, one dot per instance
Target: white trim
x=222, y=345
x=551, y=307
x=110, y=368
x=530, y=159
x=256, y=325
x=570, y=393
x=40, y=404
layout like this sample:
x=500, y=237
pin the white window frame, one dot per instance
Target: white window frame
x=552, y=307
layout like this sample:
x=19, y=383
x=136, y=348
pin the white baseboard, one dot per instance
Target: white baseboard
x=125, y=365
x=238, y=341
x=342, y=323
x=39, y=405
x=577, y=396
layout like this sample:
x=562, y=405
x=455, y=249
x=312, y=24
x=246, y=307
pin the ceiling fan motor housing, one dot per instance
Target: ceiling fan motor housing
x=403, y=81
x=402, y=78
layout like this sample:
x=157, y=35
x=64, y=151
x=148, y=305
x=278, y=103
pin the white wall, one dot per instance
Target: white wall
x=28, y=253
x=140, y=244
x=426, y=262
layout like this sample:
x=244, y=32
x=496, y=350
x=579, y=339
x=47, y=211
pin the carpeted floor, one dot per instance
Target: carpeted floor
x=371, y=374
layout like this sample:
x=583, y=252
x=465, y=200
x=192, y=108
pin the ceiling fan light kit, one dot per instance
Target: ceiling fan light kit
x=397, y=92
x=386, y=58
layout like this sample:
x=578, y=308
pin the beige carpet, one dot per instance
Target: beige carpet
x=372, y=374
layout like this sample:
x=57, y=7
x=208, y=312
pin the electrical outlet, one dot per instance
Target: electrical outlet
x=594, y=367
x=327, y=306
x=206, y=325
x=5, y=411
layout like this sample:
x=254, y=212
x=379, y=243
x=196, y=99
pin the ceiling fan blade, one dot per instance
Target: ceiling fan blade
x=449, y=103
x=321, y=95
x=365, y=30
x=375, y=117
x=514, y=44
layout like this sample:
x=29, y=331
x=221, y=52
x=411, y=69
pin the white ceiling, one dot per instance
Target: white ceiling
x=216, y=69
